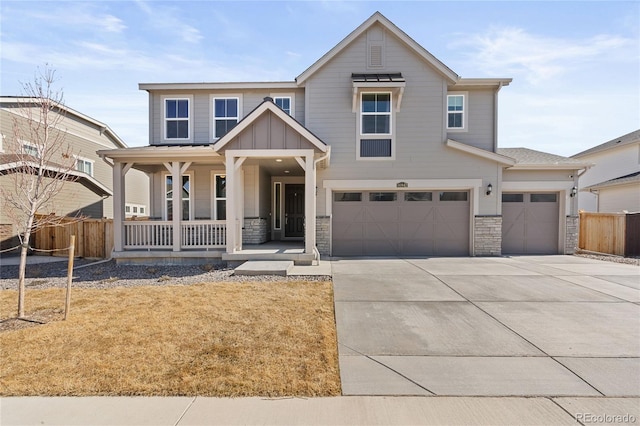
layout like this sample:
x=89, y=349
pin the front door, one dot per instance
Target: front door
x=293, y=210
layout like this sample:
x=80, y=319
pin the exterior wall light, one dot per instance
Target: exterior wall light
x=574, y=191
x=489, y=189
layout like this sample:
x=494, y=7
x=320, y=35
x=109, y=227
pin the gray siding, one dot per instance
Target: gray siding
x=480, y=130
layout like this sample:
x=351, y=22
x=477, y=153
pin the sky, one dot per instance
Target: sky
x=575, y=65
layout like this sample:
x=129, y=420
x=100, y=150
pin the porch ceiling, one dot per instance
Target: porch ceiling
x=287, y=167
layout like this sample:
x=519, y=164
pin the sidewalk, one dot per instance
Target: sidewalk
x=356, y=410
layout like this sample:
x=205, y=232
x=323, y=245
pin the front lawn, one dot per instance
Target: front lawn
x=216, y=339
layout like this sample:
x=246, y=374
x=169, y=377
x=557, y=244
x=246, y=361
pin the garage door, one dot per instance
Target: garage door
x=409, y=223
x=529, y=223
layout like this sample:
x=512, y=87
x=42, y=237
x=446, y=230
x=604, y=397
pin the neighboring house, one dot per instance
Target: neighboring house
x=90, y=190
x=378, y=148
x=613, y=183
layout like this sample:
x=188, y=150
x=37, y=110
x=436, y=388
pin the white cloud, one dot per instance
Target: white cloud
x=83, y=17
x=166, y=18
x=538, y=58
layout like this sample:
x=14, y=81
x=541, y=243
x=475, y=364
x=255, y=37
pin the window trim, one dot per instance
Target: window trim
x=30, y=145
x=392, y=126
x=189, y=99
x=2, y=136
x=212, y=103
x=165, y=213
x=86, y=160
x=465, y=111
x=290, y=96
x=214, y=197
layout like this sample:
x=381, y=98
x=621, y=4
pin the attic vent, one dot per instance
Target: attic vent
x=375, y=56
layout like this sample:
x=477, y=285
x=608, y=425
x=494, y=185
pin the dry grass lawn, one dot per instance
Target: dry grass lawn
x=218, y=339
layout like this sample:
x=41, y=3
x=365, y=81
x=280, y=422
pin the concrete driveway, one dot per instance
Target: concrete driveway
x=509, y=326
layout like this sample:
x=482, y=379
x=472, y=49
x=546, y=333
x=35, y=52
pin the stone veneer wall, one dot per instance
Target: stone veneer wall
x=255, y=230
x=571, y=234
x=487, y=235
x=323, y=234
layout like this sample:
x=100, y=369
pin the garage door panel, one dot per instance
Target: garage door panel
x=530, y=223
x=411, y=224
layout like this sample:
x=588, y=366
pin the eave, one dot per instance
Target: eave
x=289, y=85
x=488, y=155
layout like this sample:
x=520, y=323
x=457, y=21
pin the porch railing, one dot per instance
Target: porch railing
x=155, y=234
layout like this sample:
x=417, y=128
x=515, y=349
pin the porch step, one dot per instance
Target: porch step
x=265, y=267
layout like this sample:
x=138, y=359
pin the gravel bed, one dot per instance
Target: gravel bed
x=109, y=275
x=610, y=258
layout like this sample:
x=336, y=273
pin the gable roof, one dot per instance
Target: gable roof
x=623, y=140
x=268, y=105
x=22, y=100
x=622, y=180
x=526, y=158
x=378, y=18
x=482, y=153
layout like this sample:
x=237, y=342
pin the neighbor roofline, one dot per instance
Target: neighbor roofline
x=381, y=19
x=103, y=127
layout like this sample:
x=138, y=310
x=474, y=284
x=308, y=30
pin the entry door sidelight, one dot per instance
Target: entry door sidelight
x=293, y=210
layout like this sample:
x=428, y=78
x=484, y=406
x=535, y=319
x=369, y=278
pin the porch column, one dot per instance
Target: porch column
x=309, y=205
x=118, y=207
x=177, y=204
x=231, y=203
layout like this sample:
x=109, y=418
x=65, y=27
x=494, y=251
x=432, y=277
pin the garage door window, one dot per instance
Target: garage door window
x=382, y=196
x=418, y=196
x=512, y=198
x=347, y=196
x=543, y=198
x=453, y=196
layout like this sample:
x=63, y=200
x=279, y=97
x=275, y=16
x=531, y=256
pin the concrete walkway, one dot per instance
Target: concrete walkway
x=549, y=326
x=346, y=410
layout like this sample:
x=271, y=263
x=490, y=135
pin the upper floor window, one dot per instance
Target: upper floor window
x=226, y=114
x=283, y=102
x=84, y=165
x=376, y=113
x=456, y=111
x=176, y=118
x=29, y=149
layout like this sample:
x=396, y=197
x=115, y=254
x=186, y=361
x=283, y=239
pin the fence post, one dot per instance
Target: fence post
x=67, y=303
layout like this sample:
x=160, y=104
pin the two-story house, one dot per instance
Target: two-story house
x=378, y=148
x=613, y=183
x=89, y=190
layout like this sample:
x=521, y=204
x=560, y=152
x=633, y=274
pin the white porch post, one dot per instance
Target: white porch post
x=118, y=207
x=309, y=205
x=177, y=204
x=231, y=203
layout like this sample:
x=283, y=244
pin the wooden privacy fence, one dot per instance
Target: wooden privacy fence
x=94, y=237
x=611, y=233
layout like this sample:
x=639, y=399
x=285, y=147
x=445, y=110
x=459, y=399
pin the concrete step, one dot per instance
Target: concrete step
x=264, y=267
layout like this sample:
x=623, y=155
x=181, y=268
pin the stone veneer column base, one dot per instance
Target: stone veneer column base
x=487, y=235
x=255, y=230
x=572, y=226
x=323, y=235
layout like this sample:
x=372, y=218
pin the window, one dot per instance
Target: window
x=347, y=196
x=512, y=198
x=127, y=209
x=219, y=197
x=382, y=196
x=418, y=196
x=283, y=102
x=176, y=119
x=376, y=125
x=133, y=209
x=456, y=119
x=277, y=204
x=29, y=149
x=84, y=165
x=543, y=198
x=185, y=194
x=453, y=196
x=376, y=114
x=225, y=115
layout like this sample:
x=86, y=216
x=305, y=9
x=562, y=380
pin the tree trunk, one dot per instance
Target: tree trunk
x=21, y=279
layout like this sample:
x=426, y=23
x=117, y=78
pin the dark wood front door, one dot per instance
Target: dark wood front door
x=294, y=210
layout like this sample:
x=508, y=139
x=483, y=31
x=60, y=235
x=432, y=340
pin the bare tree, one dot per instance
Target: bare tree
x=41, y=162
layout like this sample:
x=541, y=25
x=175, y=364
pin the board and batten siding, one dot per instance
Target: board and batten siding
x=420, y=151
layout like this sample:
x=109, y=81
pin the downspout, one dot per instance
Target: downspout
x=316, y=253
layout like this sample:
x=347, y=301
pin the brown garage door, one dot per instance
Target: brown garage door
x=409, y=223
x=529, y=223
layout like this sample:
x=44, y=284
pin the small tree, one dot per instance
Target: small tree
x=41, y=163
